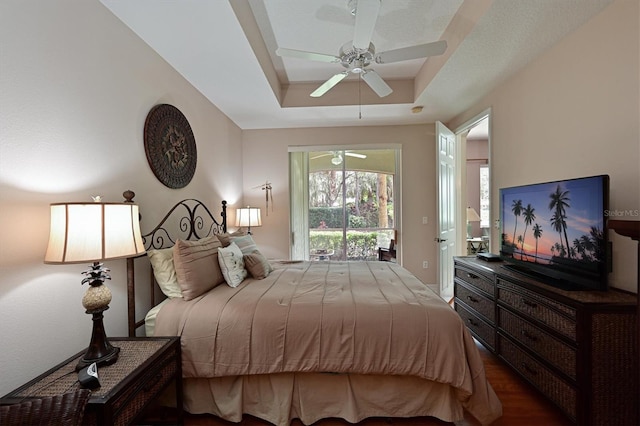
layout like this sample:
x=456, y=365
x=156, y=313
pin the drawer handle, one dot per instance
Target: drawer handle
x=472, y=299
x=528, y=303
x=529, y=336
x=472, y=276
x=472, y=322
x=529, y=369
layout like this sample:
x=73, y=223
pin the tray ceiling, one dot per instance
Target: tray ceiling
x=226, y=50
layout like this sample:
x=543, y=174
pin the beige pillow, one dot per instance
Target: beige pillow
x=232, y=264
x=257, y=265
x=226, y=238
x=197, y=267
x=164, y=271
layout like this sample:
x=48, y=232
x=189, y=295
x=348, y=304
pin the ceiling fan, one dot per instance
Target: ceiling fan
x=337, y=157
x=358, y=54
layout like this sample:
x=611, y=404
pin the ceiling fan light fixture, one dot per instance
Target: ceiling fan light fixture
x=336, y=160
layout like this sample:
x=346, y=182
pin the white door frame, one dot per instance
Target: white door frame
x=462, y=176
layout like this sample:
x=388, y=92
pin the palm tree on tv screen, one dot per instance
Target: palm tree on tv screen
x=558, y=204
x=529, y=217
x=537, y=233
x=516, y=208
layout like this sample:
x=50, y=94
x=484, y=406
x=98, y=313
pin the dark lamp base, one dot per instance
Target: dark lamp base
x=100, y=350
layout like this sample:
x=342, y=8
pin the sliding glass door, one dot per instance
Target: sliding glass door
x=348, y=205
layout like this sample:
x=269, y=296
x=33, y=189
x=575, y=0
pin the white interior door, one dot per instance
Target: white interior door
x=446, y=239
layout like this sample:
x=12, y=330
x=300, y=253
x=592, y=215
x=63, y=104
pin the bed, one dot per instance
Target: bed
x=306, y=340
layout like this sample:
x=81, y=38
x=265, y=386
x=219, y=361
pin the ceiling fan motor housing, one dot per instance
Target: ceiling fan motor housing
x=352, y=57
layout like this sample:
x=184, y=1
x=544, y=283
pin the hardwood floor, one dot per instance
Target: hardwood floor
x=522, y=406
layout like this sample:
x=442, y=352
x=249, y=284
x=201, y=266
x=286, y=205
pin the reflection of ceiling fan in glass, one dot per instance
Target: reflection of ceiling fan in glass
x=337, y=156
x=357, y=55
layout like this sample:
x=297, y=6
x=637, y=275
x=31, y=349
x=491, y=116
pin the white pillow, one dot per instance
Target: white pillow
x=165, y=272
x=232, y=264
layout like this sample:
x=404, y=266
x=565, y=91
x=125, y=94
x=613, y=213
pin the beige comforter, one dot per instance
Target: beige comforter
x=336, y=317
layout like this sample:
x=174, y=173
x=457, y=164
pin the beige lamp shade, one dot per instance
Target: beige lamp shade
x=472, y=215
x=248, y=217
x=90, y=232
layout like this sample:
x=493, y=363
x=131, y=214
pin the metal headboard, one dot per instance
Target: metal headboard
x=194, y=221
x=197, y=223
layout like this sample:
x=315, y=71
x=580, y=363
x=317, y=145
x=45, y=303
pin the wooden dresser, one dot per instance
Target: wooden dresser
x=577, y=347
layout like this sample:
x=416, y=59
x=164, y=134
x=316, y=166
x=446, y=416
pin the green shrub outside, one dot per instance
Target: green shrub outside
x=329, y=217
x=360, y=245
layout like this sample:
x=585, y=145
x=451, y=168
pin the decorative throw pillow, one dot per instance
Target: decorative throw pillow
x=257, y=265
x=164, y=271
x=197, y=267
x=232, y=264
x=245, y=243
x=225, y=238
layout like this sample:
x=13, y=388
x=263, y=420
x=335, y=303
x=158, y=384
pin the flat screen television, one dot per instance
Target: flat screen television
x=556, y=232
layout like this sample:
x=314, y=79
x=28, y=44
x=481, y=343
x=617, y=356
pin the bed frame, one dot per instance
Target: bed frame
x=190, y=219
x=194, y=221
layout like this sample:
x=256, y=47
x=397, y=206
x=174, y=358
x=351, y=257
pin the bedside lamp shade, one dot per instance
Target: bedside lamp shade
x=92, y=232
x=248, y=216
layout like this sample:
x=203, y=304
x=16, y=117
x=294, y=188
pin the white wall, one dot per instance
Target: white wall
x=76, y=87
x=574, y=112
x=265, y=158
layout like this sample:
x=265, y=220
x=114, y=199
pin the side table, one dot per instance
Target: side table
x=145, y=367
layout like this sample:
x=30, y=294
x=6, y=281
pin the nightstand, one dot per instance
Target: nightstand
x=145, y=367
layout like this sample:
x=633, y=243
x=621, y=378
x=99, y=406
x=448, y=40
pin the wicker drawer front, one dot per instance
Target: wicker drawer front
x=483, y=331
x=539, y=308
x=552, y=386
x=148, y=388
x=474, y=279
x=553, y=350
x=126, y=407
x=479, y=303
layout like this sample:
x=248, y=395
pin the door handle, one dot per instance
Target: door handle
x=439, y=240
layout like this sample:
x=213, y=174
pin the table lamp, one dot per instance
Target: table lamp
x=248, y=216
x=93, y=232
x=472, y=216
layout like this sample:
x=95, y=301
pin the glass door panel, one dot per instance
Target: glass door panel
x=350, y=203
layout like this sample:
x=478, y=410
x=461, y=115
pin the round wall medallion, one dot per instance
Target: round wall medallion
x=170, y=146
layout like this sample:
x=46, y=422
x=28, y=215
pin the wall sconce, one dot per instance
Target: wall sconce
x=93, y=232
x=248, y=216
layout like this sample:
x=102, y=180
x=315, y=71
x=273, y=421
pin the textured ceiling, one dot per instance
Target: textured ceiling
x=225, y=48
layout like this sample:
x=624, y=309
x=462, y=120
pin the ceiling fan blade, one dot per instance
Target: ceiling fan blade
x=301, y=54
x=376, y=83
x=355, y=154
x=414, y=52
x=320, y=156
x=366, y=16
x=327, y=85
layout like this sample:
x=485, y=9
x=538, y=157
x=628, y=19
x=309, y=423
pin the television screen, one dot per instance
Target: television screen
x=556, y=231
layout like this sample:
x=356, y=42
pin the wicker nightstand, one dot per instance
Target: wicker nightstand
x=145, y=367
